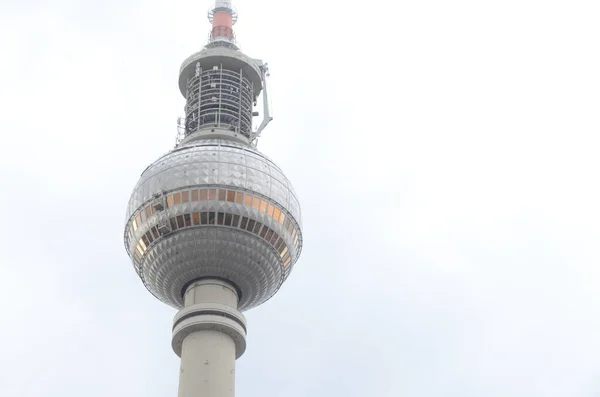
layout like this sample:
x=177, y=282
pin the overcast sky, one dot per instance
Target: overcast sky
x=446, y=157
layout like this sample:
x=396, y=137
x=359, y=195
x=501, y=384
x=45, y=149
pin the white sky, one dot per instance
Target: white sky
x=446, y=158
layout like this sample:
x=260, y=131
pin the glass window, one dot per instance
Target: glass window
x=203, y=195
x=212, y=194
x=149, y=236
x=188, y=220
x=134, y=225
x=270, y=210
x=138, y=220
x=244, y=222
x=282, y=218
x=287, y=262
x=278, y=244
x=196, y=217
x=155, y=232
x=293, y=233
x=273, y=239
x=170, y=200
x=180, y=222
x=149, y=211
x=177, y=198
x=284, y=250
x=221, y=218
x=204, y=218
x=239, y=197
x=143, y=245
x=228, y=218
x=142, y=216
x=286, y=225
x=236, y=220
x=222, y=194
x=263, y=232
x=145, y=240
x=248, y=200
x=139, y=250
x=211, y=218
x=173, y=223
x=194, y=195
x=185, y=196
x=263, y=206
x=255, y=202
x=250, y=225
x=269, y=235
x=230, y=196
x=276, y=214
x=257, y=227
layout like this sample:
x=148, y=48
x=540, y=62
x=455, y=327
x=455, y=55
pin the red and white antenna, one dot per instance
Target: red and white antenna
x=222, y=16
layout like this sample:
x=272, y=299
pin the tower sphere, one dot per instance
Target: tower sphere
x=228, y=213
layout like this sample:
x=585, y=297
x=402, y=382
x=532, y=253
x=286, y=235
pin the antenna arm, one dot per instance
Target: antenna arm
x=267, y=115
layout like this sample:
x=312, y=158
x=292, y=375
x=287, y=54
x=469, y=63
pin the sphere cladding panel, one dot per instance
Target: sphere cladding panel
x=245, y=259
x=193, y=253
x=215, y=162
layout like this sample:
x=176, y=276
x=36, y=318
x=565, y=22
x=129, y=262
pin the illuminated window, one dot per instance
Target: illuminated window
x=170, y=200
x=180, y=222
x=230, y=196
x=269, y=235
x=138, y=220
x=194, y=195
x=220, y=218
x=196, y=217
x=263, y=206
x=212, y=194
x=276, y=214
x=134, y=225
x=228, y=218
x=139, y=250
x=211, y=218
x=188, y=220
x=270, y=210
x=287, y=262
x=204, y=218
x=255, y=202
x=239, y=197
x=177, y=198
x=222, y=194
x=149, y=211
x=236, y=220
x=282, y=219
x=248, y=200
x=257, y=227
x=250, y=225
x=203, y=195
x=185, y=196
x=244, y=222
x=143, y=245
x=284, y=251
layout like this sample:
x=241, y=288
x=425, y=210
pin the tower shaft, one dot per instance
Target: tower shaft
x=209, y=334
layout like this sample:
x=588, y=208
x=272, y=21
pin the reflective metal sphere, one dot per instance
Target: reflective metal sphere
x=213, y=208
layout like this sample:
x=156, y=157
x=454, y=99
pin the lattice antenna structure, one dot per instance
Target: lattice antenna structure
x=213, y=227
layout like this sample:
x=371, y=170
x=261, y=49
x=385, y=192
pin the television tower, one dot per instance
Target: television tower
x=213, y=226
